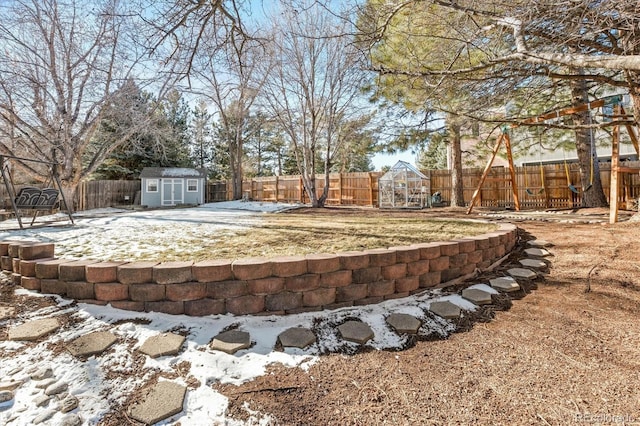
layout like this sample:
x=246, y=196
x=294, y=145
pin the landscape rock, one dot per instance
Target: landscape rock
x=6, y=399
x=42, y=373
x=231, y=341
x=43, y=384
x=71, y=420
x=68, y=404
x=33, y=330
x=356, y=331
x=162, y=345
x=44, y=416
x=91, y=344
x=56, y=388
x=162, y=400
x=42, y=400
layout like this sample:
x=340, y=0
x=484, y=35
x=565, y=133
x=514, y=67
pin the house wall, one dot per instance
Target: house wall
x=277, y=286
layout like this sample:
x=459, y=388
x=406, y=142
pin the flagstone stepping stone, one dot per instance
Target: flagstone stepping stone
x=44, y=416
x=160, y=401
x=356, y=331
x=6, y=312
x=533, y=263
x=231, y=341
x=537, y=252
x=70, y=403
x=42, y=400
x=71, y=420
x=6, y=399
x=41, y=374
x=404, y=323
x=445, y=309
x=297, y=337
x=527, y=274
x=477, y=296
x=162, y=345
x=91, y=344
x=506, y=284
x=56, y=388
x=538, y=243
x=33, y=330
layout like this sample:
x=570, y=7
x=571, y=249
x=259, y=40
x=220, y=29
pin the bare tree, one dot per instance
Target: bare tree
x=61, y=64
x=313, y=87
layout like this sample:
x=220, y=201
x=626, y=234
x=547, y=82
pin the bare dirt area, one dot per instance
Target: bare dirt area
x=559, y=356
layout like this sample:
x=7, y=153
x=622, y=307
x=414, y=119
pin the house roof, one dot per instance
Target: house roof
x=172, y=172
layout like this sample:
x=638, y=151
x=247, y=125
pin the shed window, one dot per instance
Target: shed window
x=152, y=185
x=192, y=185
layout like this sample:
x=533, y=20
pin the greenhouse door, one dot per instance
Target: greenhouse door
x=172, y=192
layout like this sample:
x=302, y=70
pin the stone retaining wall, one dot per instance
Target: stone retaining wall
x=281, y=285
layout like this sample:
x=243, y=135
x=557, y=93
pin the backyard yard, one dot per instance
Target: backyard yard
x=558, y=356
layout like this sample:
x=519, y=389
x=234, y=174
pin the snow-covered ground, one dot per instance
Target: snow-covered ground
x=105, y=381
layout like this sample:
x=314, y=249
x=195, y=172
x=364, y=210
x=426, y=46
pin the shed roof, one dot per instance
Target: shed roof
x=172, y=172
x=403, y=166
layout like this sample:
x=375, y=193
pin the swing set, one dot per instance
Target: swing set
x=31, y=199
x=616, y=169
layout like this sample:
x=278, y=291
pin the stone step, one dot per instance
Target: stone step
x=445, y=309
x=356, y=331
x=506, y=284
x=527, y=274
x=231, y=341
x=91, y=344
x=537, y=252
x=533, y=263
x=161, y=401
x=538, y=243
x=162, y=345
x=477, y=296
x=297, y=337
x=404, y=323
x=33, y=330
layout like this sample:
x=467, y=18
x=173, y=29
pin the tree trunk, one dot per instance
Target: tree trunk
x=592, y=192
x=457, y=189
x=309, y=182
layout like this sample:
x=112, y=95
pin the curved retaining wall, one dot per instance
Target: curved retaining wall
x=282, y=285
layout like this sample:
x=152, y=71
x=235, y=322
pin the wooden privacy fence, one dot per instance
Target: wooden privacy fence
x=97, y=194
x=361, y=189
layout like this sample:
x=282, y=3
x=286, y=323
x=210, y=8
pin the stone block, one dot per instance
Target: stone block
x=475, y=257
x=396, y=296
x=381, y=257
x=406, y=254
x=36, y=251
x=302, y=283
x=392, y=272
x=212, y=271
x=146, y=292
x=172, y=272
x=4, y=247
x=319, y=297
x=6, y=263
x=494, y=239
x=289, y=266
x=93, y=302
x=430, y=279
x=128, y=305
x=102, y=272
x=458, y=260
x=136, y=272
x=428, y=250
x=450, y=274
x=186, y=291
x=417, y=268
x=338, y=305
x=336, y=278
x=80, y=290
x=449, y=248
x=251, y=268
x=353, y=260
x=381, y=288
x=322, y=263
x=468, y=268
x=204, y=307
x=16, y=278
x=53, y=286
x=482, y=242
x=227, y=289
x=489, y=254
x=371, y=300
x=49, y=268
x=303, y=310
x=466, y=245
x=74, y=271
x=244, y=305
x=15, y=265
x=367, y=275
x=351, y=292
x=439, y=264
x=13, y=249
x=165, y=306
x=30, y=283
x=266, y=286
x=407, y=284
x=283, y=301
x=500, y=251
x=111, y=291
x=28, y=267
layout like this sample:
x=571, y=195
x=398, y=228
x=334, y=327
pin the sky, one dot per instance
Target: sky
x=381, y=159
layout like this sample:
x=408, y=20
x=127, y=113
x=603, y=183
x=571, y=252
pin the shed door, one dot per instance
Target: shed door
x=172, y=192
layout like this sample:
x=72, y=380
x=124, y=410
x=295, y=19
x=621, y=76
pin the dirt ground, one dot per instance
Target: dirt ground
x=559, y=356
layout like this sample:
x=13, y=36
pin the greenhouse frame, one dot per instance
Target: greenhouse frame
x=404, y=187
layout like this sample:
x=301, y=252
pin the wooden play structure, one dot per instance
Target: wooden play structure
x=30, y=199
x=616, y=169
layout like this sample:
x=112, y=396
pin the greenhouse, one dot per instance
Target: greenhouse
x=404, y=187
